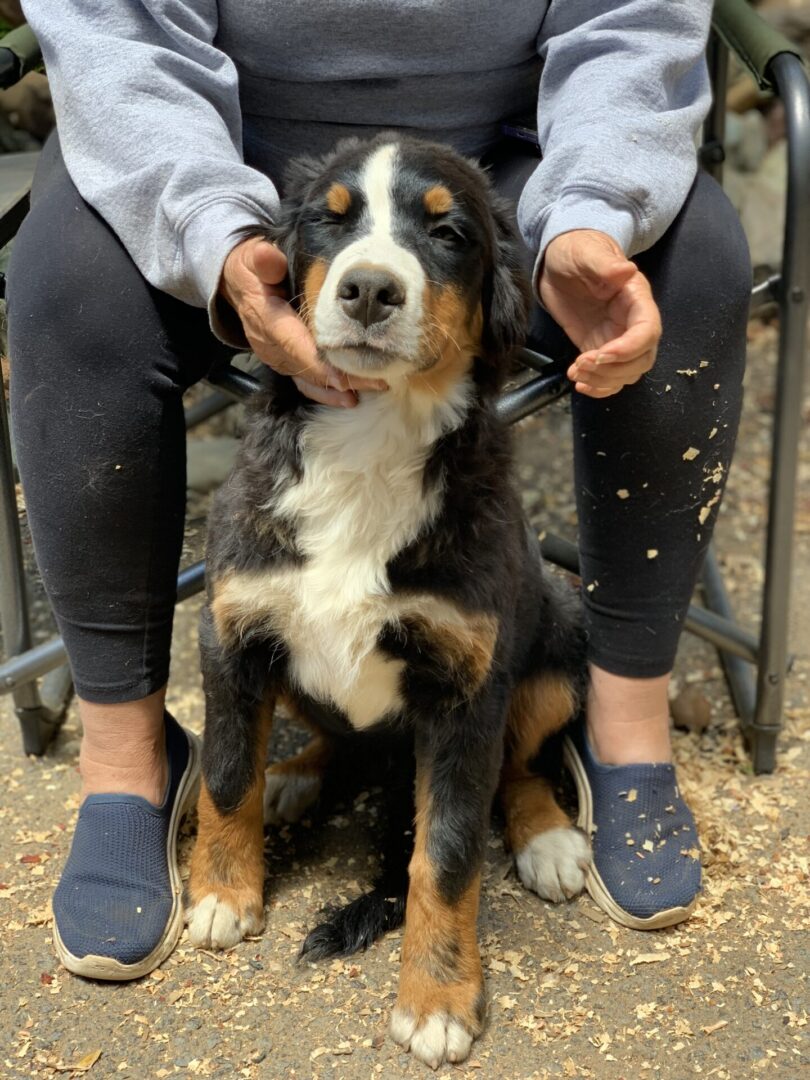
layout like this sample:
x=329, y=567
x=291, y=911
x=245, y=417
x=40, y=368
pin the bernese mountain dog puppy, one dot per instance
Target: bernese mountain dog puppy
x=371, y=568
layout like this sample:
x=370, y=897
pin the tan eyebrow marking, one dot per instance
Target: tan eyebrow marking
x=338, y=198
x=437, y=199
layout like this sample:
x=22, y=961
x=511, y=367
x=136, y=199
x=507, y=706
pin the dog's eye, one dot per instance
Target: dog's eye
x=446, y=234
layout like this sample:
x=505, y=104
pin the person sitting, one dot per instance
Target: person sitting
x=142, y=264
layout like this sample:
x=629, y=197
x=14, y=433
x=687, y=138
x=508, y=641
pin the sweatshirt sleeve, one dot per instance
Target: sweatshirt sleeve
x=623, y=92
x=150, y=128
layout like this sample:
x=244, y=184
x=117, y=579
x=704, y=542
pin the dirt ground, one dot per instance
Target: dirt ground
x=571, y=995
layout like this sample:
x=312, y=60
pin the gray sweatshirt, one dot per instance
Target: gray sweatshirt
x=177, y=116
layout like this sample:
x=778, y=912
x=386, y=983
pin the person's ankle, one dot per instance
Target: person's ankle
x=123, y=749
x=628, y=719
x=135, y=768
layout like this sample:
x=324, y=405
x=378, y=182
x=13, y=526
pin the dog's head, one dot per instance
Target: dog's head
x=403, y=260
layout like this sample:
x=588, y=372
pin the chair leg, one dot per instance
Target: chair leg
x=739, y=672
x=39, y=720
x=794, y=90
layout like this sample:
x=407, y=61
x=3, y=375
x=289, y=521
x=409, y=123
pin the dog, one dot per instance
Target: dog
x=371, y=568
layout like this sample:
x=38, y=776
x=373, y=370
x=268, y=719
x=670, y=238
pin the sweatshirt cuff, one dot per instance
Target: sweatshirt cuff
x=583, y=210
x=209, y=235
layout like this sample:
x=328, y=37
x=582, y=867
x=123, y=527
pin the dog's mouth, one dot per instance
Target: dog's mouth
x=361, y=354
x=363, y=358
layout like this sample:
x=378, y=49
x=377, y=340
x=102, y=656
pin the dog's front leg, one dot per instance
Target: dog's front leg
x=441, y=1005
x=226, y=887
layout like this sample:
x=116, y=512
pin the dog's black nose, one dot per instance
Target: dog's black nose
x=370, y=296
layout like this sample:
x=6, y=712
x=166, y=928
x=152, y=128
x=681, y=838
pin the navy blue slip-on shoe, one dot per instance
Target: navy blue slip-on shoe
x=118, y=908
x=645, y=871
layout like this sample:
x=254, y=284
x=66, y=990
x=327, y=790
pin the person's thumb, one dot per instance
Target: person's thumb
x=606, y=270
x=269, y=263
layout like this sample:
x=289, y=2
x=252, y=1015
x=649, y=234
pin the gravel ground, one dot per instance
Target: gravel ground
x=571, y=994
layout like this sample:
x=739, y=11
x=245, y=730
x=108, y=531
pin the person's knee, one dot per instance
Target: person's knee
x=723, y=240
x=72, y=290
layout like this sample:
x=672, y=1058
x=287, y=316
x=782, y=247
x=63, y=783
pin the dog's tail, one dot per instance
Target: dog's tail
x=353, y=928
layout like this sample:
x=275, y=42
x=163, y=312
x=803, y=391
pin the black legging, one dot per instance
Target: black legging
x=100, y=360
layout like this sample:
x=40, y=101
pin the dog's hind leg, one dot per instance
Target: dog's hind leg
x=226, y=887
x=551, y=855
x=293, y=785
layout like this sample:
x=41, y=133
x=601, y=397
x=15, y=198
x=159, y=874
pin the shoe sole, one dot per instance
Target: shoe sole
x=593, y=881
x=111, y=970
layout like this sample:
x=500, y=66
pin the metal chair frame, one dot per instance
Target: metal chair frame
x=38, y=678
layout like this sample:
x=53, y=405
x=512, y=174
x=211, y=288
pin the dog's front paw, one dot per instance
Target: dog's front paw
x=553, y=863
x=434, y=1038
x=438, y=1019
x=218, y=922
x=288, y=795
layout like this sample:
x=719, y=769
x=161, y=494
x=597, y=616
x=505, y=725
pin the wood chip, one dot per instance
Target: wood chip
x=691, y=453
x=83, y=1065
x=710, y=1030
x=649, y=958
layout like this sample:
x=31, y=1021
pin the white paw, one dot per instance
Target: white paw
x=438, y=1038
x=287, y=796
x=213, y=924
x=553, y=863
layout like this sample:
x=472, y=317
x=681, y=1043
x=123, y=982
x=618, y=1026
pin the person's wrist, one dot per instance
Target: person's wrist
x=577, y=240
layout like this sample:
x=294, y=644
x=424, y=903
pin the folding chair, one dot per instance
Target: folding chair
x=37, y=677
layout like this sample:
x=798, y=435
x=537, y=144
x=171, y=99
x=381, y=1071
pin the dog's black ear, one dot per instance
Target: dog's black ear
x=298, y=179
x=299, y=176
x=507, y=289
x=282, y=232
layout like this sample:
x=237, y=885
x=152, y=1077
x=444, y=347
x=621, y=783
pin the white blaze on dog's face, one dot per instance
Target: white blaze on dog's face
x=401, y=258
x=370, y=308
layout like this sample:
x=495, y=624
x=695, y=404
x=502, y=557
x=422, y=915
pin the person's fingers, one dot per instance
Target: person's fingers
x=596, y=392
x=603, y=376
x=355, y=382
x=319, y=374
x=617, y=373
x=635, y=309
x=269, y=263
x=344, y=399
x=638, y=340
x=277, y=358
x=288, y=332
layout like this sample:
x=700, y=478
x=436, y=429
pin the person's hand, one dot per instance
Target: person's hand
x=605, y=305
x=253, y=284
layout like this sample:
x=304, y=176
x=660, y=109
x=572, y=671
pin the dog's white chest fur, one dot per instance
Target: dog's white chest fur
x=360, y=501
